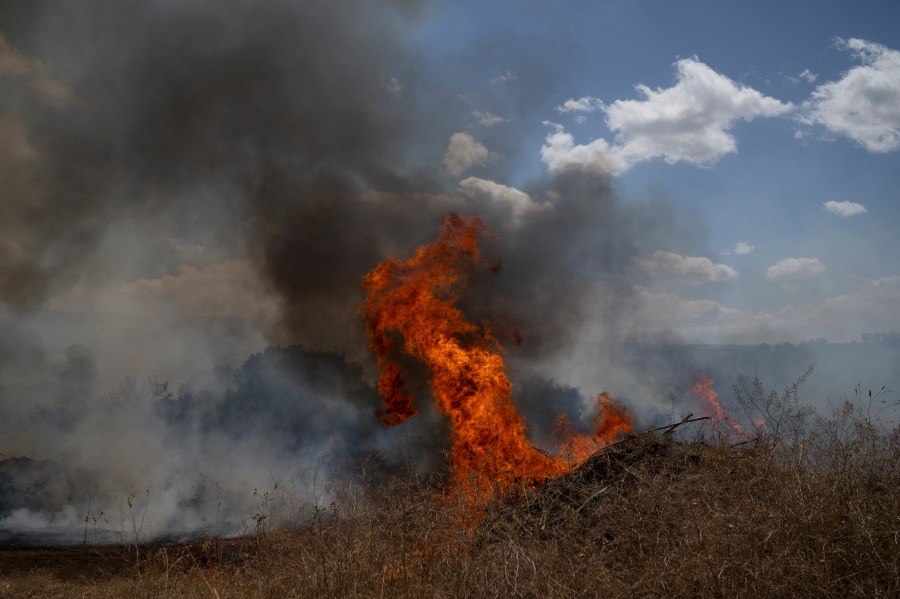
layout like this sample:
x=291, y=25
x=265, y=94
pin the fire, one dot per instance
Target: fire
x=612, y=421
x=415, y=302
x=703, y=390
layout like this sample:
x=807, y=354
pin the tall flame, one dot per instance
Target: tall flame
x=415, y=300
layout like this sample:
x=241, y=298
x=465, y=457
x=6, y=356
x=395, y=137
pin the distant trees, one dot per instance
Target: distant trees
x=889, y=338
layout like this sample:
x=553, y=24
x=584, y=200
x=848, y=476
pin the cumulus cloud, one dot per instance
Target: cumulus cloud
x=486, y=119
x=463, y=152
x=804, y=75
x=696, y=269
x=518, y=203
x=794, y=268
x=808, y=75
x=742, y=248
x=687, y=122
x=863, y=105
x=561, y=154
x=874, y=305
x=878, y=294
x=584, y=104
x=844, y=209
x=703, y=319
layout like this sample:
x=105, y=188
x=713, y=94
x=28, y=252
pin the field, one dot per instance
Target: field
x=801, y=506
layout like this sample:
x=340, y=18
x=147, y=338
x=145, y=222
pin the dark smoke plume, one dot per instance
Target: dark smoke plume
x=204, y=115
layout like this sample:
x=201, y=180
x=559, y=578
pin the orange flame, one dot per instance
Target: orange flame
x=612, y=421
x=703, y=390
x=415, y=300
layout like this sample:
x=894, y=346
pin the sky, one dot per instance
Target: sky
x=775, y=125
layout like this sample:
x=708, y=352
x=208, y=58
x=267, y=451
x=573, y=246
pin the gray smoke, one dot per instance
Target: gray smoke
x=204, y=460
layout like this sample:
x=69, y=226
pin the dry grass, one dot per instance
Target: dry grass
x=813, y=511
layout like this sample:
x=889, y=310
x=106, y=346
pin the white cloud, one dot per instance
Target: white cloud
x=585, y=104
x=742, y=248
x=560, y=154
x=505, y=77
x=864, y=104
x=486, y=119
x=464, y=152
x=687, y=122
x=883, y=292
x=874, y=306
x=517, y=202
x=844, y=209
x=808, y=76
x=804, y=75
x=794, y=268
x=696, y=269
x=703, y=319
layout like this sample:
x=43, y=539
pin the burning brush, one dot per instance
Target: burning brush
x=413, y=303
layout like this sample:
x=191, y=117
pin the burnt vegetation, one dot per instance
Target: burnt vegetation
x=801, y=504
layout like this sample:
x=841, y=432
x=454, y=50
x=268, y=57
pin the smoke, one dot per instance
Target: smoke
x=187, y=182
x=199, y=460
x=196, y=117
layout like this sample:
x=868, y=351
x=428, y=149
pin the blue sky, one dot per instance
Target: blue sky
x=790, y=155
